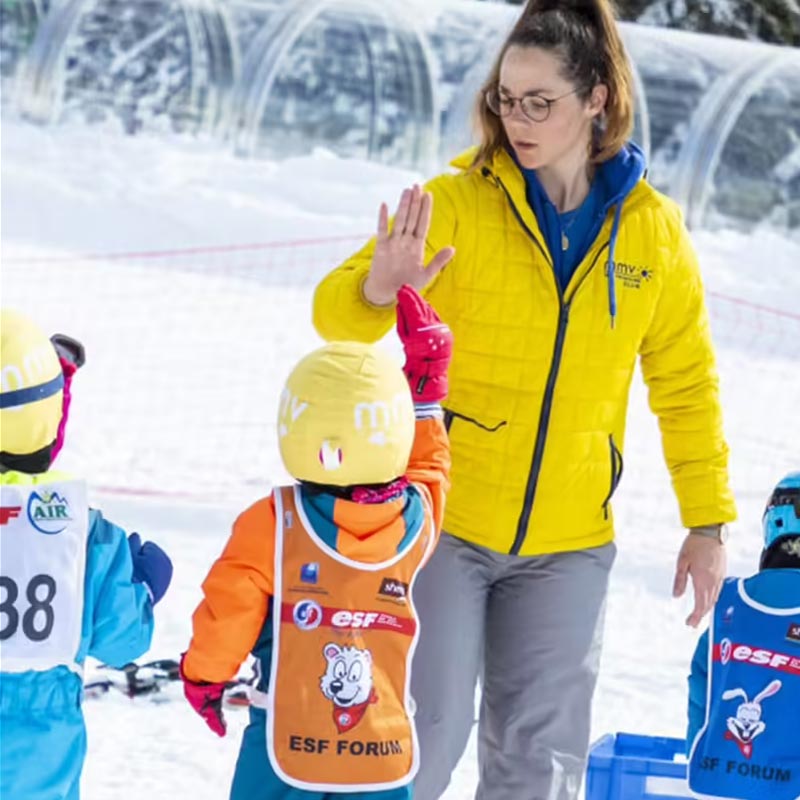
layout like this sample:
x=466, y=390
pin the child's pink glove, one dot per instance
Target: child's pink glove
x=206, y=700
x=428, y=344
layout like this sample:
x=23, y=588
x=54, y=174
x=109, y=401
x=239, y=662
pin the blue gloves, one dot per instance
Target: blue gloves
x=151, y=566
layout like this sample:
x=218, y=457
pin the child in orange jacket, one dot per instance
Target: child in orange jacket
x=317, y=579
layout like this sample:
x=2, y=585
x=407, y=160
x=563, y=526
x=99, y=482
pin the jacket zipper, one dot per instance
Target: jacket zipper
x=555, y=364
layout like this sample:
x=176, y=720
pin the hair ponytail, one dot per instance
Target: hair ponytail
x=585, y=35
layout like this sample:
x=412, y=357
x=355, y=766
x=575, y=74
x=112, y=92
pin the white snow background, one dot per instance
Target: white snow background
x=173, y=415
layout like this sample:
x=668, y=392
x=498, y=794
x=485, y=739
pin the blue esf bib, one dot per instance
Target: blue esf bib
x=749, y=746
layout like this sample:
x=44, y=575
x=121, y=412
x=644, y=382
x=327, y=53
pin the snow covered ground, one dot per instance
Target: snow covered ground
x=174, y=414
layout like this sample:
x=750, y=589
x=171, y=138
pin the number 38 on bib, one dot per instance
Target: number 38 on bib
x=43, y=532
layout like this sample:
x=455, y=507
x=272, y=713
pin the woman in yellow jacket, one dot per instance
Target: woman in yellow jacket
x=556, y=265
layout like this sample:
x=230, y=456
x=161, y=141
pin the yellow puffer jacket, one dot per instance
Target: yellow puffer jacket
x=539, y=381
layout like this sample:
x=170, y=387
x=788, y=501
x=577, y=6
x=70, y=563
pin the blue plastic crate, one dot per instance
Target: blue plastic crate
x=632, y=767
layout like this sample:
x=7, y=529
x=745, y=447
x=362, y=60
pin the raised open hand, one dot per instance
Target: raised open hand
x=399, y=255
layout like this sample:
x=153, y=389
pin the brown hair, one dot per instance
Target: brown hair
x=584, y=34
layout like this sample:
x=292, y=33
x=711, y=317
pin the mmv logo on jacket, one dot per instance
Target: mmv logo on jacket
x=631, y=276
x=48, y=512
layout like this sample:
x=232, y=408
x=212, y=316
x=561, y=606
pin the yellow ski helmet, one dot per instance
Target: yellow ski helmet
x=31, y=386
x=346, y=417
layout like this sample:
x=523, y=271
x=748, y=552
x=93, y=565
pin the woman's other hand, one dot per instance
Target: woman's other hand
x=704, y=559
x=399, y=255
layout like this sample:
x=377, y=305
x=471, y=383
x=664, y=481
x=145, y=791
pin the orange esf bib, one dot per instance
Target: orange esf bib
x=339, y=707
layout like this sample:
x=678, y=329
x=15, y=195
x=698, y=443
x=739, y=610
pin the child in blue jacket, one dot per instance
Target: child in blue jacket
x=71, y=583
x=744, y=688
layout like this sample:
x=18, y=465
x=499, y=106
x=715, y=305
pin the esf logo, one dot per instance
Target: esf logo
x=759, y=656
x=354, y=619
x=307, y=615
x=365, y=619
x=725, y=649
x=7, y=513
x=48, y=512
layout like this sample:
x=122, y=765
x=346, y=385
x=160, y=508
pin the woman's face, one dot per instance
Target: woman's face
x=567, y=130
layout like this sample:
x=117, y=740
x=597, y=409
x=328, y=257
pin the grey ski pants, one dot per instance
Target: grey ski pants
x=531, y=628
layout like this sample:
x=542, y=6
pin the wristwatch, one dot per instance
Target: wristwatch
x=718, y=532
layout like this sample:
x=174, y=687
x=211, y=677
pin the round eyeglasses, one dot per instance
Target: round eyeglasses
x=535, y=107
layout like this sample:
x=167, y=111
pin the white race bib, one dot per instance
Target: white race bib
x=43, y=533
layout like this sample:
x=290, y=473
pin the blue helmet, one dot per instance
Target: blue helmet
x=782, y=514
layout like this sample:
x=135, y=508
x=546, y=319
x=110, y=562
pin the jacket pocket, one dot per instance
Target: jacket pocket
x=450, y=415
x=616, y=472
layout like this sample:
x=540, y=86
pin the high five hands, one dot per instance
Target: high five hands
x=399, y=255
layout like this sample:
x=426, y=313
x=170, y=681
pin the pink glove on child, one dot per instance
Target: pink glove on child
x=428, y=344
x=206, y=700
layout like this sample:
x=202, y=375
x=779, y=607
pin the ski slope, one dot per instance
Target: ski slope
x=173, y=417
